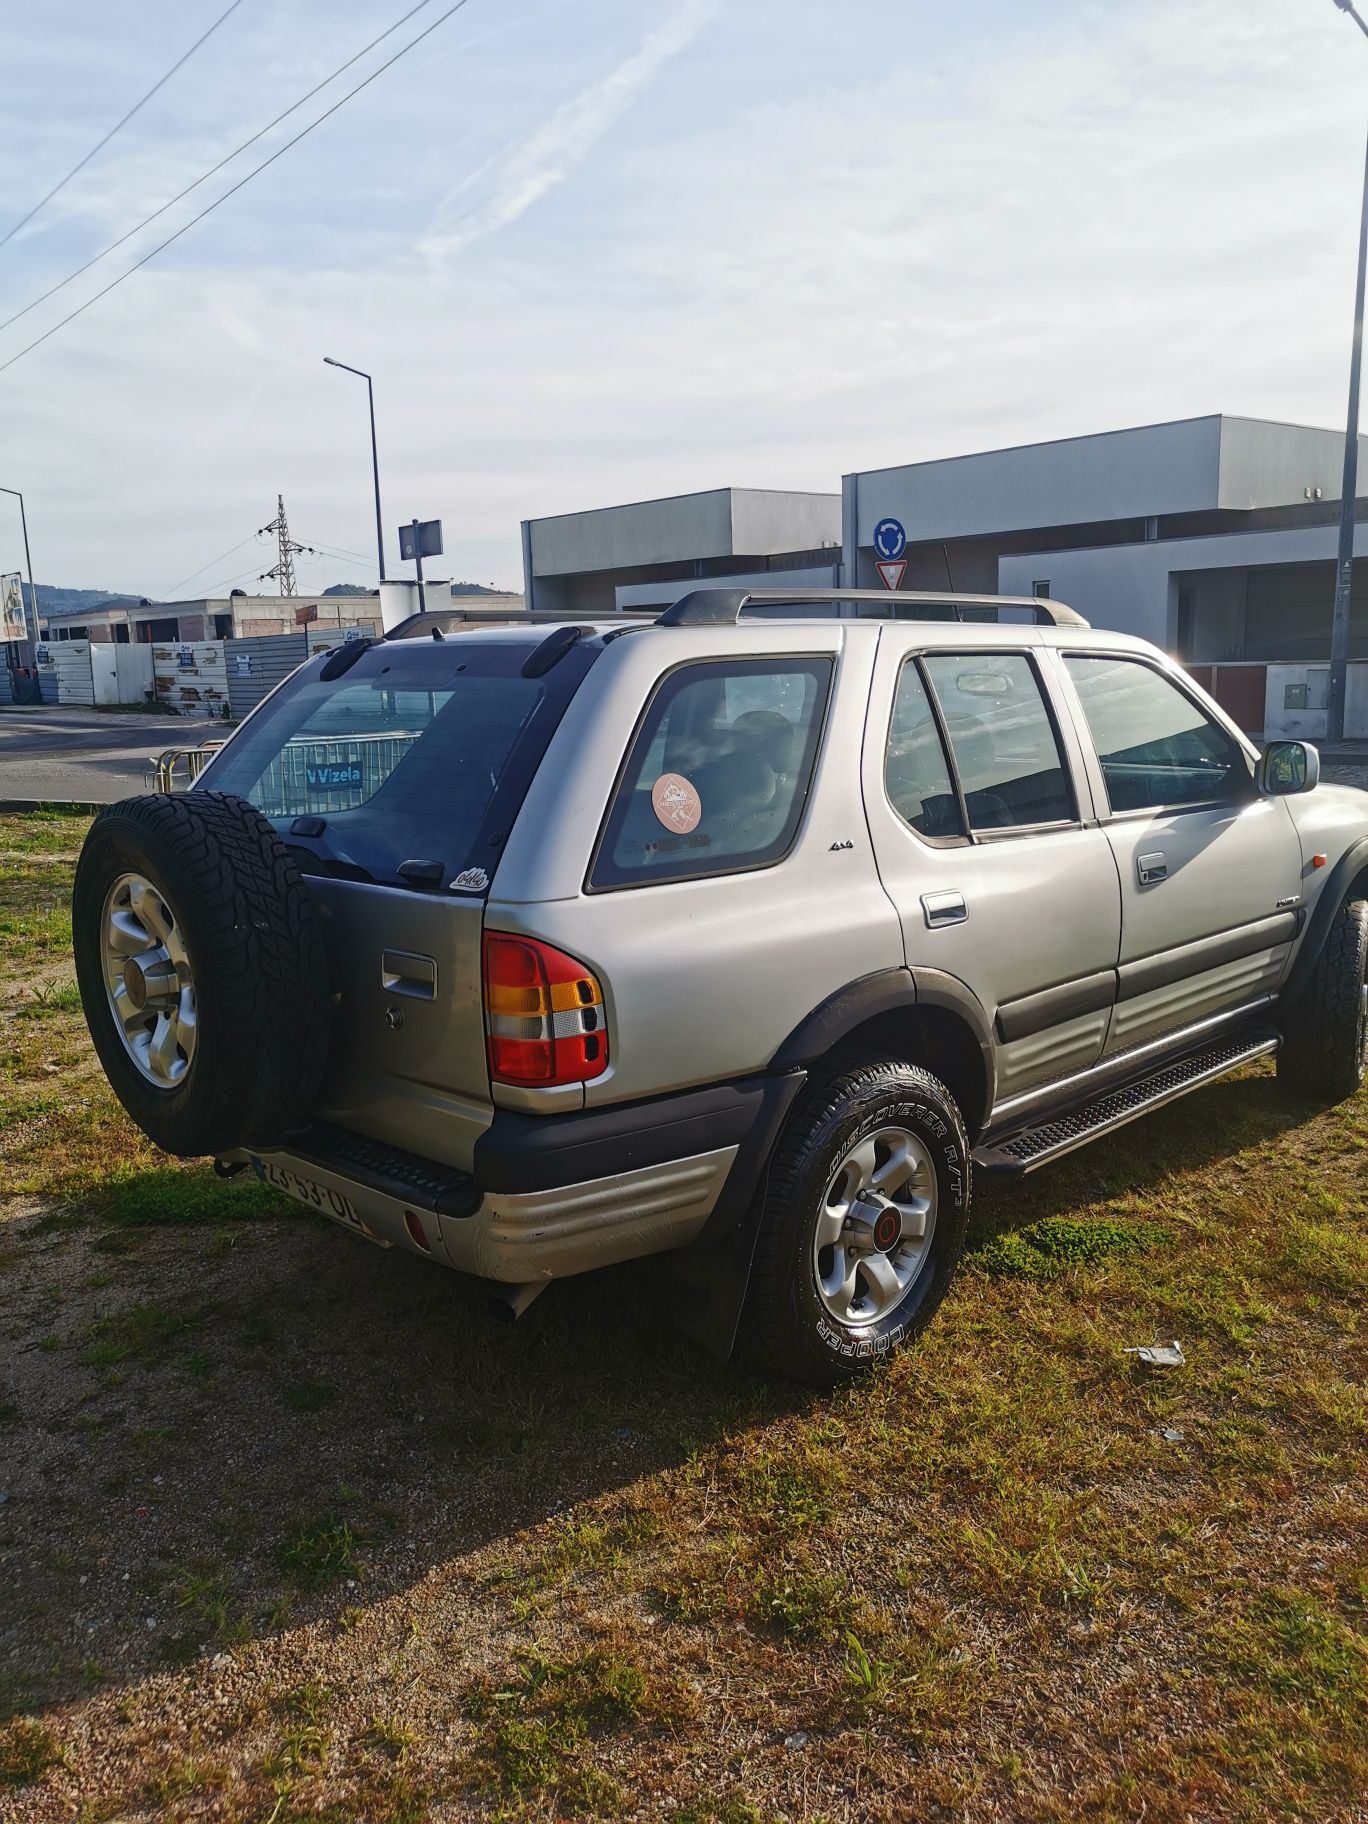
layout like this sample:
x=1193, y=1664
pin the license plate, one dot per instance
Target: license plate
x=307, y=1190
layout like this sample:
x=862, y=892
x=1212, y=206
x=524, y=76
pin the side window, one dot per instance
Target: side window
x=718, y=773
x=1155, y=745
x=1005, y=747
x=916, y=771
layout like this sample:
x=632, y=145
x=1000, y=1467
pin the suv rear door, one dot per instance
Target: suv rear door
x=395, y=785
x=981, y=822
x=1210, y=871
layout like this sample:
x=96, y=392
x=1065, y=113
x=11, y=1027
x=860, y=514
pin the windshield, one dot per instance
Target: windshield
x=419, y=752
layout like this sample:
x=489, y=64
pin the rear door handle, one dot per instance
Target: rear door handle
x=946, y=908
x=1151, y=868
x=405, y=972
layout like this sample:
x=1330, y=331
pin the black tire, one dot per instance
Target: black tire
x=255, y=952
x=1325, y=1041
x=786, y=1324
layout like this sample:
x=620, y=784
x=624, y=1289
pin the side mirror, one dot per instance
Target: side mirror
x=1288, y=767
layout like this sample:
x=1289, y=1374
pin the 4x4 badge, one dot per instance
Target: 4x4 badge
x=840, y=845
x=472, y=880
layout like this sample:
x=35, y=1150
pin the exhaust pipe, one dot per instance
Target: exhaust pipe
x=508, y=1303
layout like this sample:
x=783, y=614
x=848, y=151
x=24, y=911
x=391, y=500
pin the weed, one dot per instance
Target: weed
x=183, y=1778
x=868, y=1676
x=391, y=1736
x=1061, y=1244
x=320, y=1554
x=803, y=1603
x=49, y=998
x=205, y=1594
x=27, y=1751
x=538, y=1730
x=145, y=1334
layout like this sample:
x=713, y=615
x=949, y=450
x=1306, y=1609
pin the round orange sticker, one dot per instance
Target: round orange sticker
x=676, y=803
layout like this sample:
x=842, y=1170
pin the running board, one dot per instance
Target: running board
x=1030, y=1147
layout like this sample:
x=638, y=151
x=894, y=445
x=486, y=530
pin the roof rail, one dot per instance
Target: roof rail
x=723, y=607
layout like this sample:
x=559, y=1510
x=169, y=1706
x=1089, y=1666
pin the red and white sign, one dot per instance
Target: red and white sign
x=892, y=570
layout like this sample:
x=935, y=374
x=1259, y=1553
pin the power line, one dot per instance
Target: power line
x=232, y=191
x=213, y=170
x=170, y=594
x=63, y=182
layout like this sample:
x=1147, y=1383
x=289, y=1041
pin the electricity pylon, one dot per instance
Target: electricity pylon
x=282, y=571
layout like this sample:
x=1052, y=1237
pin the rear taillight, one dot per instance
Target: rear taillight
x=543, y=1014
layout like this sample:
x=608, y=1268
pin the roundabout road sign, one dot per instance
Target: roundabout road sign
x=890, y=541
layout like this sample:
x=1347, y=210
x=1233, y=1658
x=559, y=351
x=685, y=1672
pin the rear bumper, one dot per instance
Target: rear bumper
x=549, y=1196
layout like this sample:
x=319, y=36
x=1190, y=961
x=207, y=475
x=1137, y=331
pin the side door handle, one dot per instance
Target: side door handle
x=1151, y=868
x=947, y=908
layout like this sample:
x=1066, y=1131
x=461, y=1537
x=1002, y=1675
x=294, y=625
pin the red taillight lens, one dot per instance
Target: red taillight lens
x=543, y=1014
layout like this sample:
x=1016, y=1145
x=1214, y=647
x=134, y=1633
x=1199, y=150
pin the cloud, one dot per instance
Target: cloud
x=521, y=175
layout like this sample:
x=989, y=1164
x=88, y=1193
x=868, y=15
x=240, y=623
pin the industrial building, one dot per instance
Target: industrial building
x=235, y=616
x=1213, y=537
x=644, y=555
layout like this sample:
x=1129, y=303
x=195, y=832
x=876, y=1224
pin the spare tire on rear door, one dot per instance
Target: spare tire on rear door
x=202, y=972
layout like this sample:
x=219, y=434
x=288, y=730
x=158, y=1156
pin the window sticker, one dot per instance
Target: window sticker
x=676, y=803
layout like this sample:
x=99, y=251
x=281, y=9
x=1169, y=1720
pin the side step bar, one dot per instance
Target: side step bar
x=1030, y=1147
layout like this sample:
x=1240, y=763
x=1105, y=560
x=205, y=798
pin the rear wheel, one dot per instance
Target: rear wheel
x=201, y=969
x=1325, y=1043
x=863, y=1225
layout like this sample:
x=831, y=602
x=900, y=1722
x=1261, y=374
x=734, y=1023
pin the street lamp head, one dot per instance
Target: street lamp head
x=329, y=362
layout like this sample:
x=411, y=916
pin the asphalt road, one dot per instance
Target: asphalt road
x=84, y=755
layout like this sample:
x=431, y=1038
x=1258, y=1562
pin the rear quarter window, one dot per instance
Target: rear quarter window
x=718, y=772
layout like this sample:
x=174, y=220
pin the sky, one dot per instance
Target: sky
x=603, y=250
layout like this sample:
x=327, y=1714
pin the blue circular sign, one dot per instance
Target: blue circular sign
x=890, y=541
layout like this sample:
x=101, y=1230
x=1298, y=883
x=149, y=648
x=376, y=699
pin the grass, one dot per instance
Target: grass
x=320, y=1553
x=27, y=1750
x=573, y=1568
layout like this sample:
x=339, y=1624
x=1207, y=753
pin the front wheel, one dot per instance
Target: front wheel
x=863, y=1224
x=1325, y=1043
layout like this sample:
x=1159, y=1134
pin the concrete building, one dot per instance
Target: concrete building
x=646, y=554
x=1212, y=537
x=235, y=616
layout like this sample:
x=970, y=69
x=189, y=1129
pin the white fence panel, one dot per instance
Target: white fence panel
x=192, y=678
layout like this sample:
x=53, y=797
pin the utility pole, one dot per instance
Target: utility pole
x=1344, y=557
x=282, y=571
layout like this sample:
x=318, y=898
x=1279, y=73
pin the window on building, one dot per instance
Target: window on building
x=1156, y=746
x=1041, y=589
x=1006, y=751
x=223, y=626
x=718, y=773
x=916, y=770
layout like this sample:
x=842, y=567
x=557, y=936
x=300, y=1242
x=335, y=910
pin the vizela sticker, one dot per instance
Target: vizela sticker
x=676, y=803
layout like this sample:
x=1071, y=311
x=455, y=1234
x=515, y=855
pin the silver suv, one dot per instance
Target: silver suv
x=748, y=934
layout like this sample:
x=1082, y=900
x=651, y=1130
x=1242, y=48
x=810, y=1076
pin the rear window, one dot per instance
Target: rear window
x=718, y=774
x=419, y=752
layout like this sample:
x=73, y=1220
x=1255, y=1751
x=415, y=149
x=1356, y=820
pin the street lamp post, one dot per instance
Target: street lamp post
x=375, y=458
x=28, y=561
x=1344, y=558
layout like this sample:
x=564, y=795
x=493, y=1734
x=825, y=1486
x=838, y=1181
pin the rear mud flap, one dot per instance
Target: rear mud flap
x=711, y=1276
